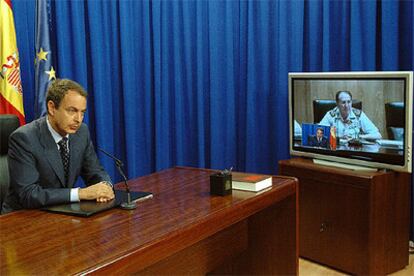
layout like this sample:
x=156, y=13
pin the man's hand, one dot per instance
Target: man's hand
x=101, y=191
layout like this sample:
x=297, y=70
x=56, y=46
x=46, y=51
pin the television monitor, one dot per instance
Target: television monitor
x=353, y=118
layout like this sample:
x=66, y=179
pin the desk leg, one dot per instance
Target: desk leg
x=272, y=243
x=265, y=243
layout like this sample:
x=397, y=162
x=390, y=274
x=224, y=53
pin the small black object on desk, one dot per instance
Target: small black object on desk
x=220, y=183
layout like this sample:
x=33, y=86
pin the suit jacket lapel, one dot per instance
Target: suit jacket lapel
x=75, y=157
x=51, y=151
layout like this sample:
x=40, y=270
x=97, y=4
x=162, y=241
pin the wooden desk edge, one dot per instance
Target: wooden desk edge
x=152, y=252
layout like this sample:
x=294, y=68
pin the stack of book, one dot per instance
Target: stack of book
x=250, y=182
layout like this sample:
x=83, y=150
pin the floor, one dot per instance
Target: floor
x=308, y=268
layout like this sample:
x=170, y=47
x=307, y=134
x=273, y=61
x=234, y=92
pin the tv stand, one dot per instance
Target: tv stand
x=354, y=221
x=343, y=165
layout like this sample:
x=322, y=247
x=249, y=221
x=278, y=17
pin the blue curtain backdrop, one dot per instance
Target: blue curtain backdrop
x=204, y=83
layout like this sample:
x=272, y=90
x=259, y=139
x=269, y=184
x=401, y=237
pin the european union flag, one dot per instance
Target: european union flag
x=44, y=70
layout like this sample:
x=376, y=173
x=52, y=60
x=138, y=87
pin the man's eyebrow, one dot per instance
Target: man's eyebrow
x=76, y=109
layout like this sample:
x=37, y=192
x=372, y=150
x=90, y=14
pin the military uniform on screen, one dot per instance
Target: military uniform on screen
x=357, y=123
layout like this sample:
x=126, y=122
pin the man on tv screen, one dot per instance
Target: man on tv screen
x=350, y=123
x=318, y=140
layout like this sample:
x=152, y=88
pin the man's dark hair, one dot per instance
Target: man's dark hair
x=321, y=129
x=59, y=88
x=342, y=91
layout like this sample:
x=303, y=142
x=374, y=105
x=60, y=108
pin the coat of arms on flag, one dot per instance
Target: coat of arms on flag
x=10, y=71
x=11, y=94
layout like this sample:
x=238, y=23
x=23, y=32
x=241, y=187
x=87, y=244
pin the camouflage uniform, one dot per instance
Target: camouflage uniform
x=357, y=123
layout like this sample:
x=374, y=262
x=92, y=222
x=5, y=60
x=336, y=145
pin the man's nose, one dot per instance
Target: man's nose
x=78, y=117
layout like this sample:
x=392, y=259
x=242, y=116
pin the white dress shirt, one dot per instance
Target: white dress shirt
x=74, y=192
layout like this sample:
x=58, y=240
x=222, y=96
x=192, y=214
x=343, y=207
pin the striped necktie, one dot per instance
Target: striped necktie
x=64, y=154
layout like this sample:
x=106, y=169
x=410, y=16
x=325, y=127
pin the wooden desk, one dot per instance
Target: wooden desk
x=181, y=230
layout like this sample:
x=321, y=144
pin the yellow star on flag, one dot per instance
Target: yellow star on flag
x=51, y=73
x=41, y=55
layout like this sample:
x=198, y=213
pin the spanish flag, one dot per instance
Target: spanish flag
x=11, y=94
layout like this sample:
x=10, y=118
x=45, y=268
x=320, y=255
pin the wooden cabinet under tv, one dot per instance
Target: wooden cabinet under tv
x=357, y=222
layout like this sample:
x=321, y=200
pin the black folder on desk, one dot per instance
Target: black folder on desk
x=86, y=208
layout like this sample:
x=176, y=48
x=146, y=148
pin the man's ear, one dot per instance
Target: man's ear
x=51, y=107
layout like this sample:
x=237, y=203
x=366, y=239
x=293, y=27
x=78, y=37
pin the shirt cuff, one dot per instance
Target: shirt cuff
x=74, y=195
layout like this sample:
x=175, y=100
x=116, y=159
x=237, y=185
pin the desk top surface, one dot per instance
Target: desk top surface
x=181, y=213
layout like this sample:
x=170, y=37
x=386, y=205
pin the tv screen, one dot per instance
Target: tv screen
x=358, y=118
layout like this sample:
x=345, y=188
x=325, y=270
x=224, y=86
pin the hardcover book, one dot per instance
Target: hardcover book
x=250, y=182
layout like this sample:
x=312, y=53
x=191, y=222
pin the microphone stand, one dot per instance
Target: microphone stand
x=129, y=205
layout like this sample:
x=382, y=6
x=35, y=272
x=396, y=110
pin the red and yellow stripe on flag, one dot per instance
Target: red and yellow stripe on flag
x=11, y=94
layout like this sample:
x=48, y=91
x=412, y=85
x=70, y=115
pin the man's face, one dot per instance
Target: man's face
x=69, y=116
x=344, y=104
x=319, y=133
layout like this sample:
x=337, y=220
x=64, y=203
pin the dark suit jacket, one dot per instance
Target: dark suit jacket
x=36, y=169
x=313, y=141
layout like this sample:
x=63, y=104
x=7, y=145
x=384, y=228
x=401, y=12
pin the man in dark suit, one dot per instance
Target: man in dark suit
x=319, y=140
x=47, y=155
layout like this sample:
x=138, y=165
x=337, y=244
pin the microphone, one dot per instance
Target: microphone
x=129, y=205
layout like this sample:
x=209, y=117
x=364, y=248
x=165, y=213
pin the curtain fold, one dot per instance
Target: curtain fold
x=137, y=77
